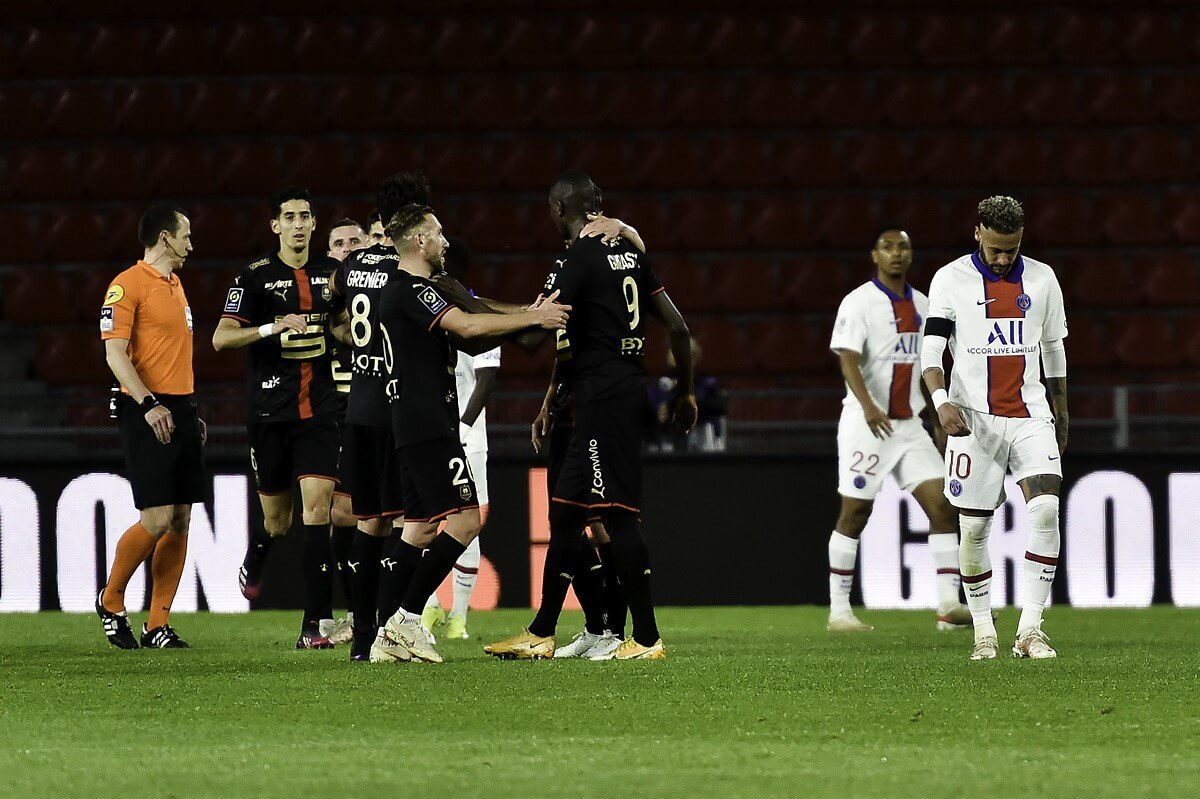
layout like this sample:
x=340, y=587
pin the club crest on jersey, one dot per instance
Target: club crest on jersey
x=326, y=294
x=233, y=300
x=955, y=488
x=1024, y=302
x=464, y=491
x=860, y=482
x=431, y=300
x=106, y=319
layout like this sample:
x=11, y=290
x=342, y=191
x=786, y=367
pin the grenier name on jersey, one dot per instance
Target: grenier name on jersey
x=362, y=278
x=290, y=376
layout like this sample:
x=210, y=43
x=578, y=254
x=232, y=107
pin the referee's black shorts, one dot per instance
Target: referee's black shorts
x=162, y=474
x=369, y=472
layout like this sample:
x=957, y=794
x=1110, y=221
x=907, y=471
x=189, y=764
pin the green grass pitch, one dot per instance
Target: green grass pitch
x=752, y=702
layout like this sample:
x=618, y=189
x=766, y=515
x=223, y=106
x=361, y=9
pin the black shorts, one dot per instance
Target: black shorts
x=369, y=472
x=162, y=474
x=437, y=480
x=602, y=466
x=283, y=452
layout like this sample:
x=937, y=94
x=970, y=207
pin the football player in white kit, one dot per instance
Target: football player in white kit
x=877, y=340
x=475, y=379
x=999, y=311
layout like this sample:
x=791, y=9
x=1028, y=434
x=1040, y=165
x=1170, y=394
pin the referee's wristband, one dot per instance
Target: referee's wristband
x=149, y=403
x=939, y=398
x=267, y=330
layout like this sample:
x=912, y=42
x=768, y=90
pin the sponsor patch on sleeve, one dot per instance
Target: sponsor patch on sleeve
x=115, y=294
x=432, y=301
x=233, y=301
x=106, y=319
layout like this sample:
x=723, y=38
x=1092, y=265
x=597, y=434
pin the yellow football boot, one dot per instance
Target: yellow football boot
x=523, y=646
x=632, y=650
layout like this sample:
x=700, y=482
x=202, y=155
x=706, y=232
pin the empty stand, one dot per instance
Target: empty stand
x=1147, y=342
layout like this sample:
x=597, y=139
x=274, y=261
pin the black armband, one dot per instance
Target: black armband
x=149, y=403
x=937, y=326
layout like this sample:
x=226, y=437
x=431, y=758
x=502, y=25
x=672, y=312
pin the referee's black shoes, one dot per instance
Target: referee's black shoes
x=163, y=637
x=116, y=625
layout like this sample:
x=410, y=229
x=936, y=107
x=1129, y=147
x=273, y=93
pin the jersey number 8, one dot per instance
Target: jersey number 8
x=360, y=322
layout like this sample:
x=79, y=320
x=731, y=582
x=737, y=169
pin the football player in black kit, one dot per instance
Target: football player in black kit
x=612, y=289
x=282, y=308
x=425, y=329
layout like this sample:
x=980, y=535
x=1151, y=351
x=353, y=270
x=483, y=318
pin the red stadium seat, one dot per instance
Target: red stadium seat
x=1159, y=156
x=291, y=107
x=1188, y=334
x=22, y=112
x=808, y=41
x=324, y=167
x=71, y=357
x=670, y=41
x=150, y=109
x=216, y=107
x=705, y=222
x=1157, y=38
x=877, y=159
x=914, y=100
x=394, y=43
x=1184, y=217
x=533, y=42
x=114, y=173
x=846, y=100
x=493, y=226
x=428, y=104
x=252, y=47
x=700, y=100
x=951, y=159
x=507, y=103
x=116, y=50
x=460, y=164
x=811, y=283
x=33, y=297
x=781, y=222
x=812, y=161
x=613, y=161
x=1088, y=158
x=778, y=100
x=946, y=39
x=742, y=285
x=209, y=365
x=1146, y=342
x=724, y=345
x=1101, y=280
x=646, y=213
x=1089, y=343
x=1062, y=220
x=847, y=220
x=247, y=169
x=981, y=96
x=379, y=158
x=1171, y=279
x=788, y=344
x=230, y=231
x=45, y=173
x=871, y=39
x=673, y=163
x=182, y=169
x=21, y=245
x=184, y=49
x=743, y=40
x=1015, y=38
x=1134, y=219
x=464, y=42
x=324, y=47
x=1020, y=159
x=746, y=162
x=600, y=41
x=1176, y=95
x=686, y=280
x=1051, y=99
x=1083, y=37
x=356, y=106
x=81, y=110
x=49, y=51
x=926, y=218
x=1117, y=98
x=637, y=104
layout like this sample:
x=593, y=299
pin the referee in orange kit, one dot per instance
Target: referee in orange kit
x=146, y=326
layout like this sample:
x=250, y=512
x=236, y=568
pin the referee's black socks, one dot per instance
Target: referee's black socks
x=633, y=568
x=318, y=576
x=435, y=566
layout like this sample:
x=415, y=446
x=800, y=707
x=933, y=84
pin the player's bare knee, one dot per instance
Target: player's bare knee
x=419, y=534
x=854, y=516
x=181, y=519
x=464, y=527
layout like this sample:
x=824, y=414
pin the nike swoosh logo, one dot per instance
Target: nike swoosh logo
x=985, y=302
x=1047, y=571
x=1053, y=457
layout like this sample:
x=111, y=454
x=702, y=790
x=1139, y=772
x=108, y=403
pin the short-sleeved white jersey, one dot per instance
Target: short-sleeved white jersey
x=473, y=437
x=999, y=327
x=886, y=328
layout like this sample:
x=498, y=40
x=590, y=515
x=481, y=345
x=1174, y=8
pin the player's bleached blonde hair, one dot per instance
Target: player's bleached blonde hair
x=1001, y=214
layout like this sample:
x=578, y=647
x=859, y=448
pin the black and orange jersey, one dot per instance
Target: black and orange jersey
x=361, y=280
x=290, y=375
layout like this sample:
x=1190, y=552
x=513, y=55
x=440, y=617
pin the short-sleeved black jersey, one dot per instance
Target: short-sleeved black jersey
x=361, y=280
x=423, y=402
x=290, y=375
x=609, y=288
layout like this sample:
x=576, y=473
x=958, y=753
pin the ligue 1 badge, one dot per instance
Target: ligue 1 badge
x=1024, y=302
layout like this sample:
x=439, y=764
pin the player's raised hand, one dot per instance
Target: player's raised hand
x=610, y=229
x=685, y=413
x=455, y=291
x=550, y=314
x=952, y=420
x=294, y=322
x=540, y=428
x=878, y=421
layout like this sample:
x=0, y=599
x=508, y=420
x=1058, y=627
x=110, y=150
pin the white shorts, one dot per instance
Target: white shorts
x=477, y=463
x=864, y=460
x=976, y=464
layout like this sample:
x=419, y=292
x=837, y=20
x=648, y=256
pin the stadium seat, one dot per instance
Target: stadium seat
x=925, y=216
x=222, y=230
x=324, y=47
x=877, y=159
x=742, y=40
x=81, y=109
x=357, y=106
x=247, y=169
x=45, y=173
x=871, y=38
x=1050, y=98
x=1118, y=98
x=629, y=104
x=71, y=357
x=600, y=41
x=180, y=169
x=1146, y=342
x=1176, y=95
x=209, y=365
x=813, y=283
x=743, y=162
x=288, y=107
x=1082, y=37
x=149, y=109
x=724, y=345
x=252, y=46
x=1188, y=335
x=511, y=103
x=788, y=344
x=460, y=164
x=914, y=100
x=22, y=111
x=215, y=107
x=324, y=167
x=1184, y=216
x=742, y=285
x=17, y=232
x=1020, y=159
x=1159, y=156
x=705, y=222
x=777, y=100
x=36, y=296
x=700, y=100
x=494, y=226
x=846, y=220
x=1090, y=343
x=1152, y=37
x=672, y=162
x=981, y=96
x=1102, y=280
x=533, y=42
x=686, y=280
x=645, y=212
x=808, y=40
x=391, y=44
x=116, y=50
x=845, y=100
x=781, y=222
x=113, y=173
x=1088, y=157
x=49, y=51
x=950, y=159
x=613, y=161
x=184, y=49
x=1015, y=38
x=946, y=39
x=428, y=104
x=670, y=41
x=1132, y=219
x=381, y=157
x=464, y=42
x=1061, y=219
x=1171, y=279
x=812, y=160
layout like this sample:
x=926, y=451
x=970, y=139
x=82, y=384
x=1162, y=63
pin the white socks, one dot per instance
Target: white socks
x=1041, y=559
x=466, y=572
x=943, y=548
x=975, y=563
x=843, y=552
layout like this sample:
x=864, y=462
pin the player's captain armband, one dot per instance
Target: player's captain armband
x=937, y=326
x=1054, y=358
x=932, y=350
x=233, y=300
x=114, y=295
x=106, y=319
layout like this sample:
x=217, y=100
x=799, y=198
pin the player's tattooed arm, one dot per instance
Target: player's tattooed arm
x=1057, y=388
x=877, y=418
